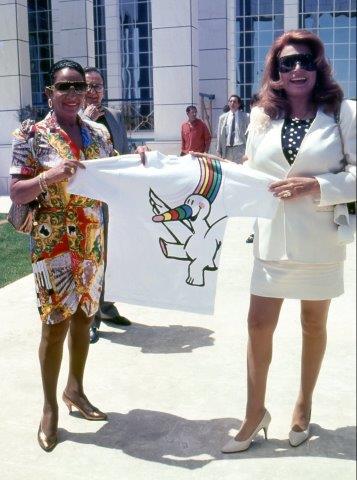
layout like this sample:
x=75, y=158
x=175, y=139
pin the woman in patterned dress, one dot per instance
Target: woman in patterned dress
x=66, y=239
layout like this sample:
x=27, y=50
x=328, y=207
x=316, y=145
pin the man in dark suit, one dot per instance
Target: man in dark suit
x=112, y=119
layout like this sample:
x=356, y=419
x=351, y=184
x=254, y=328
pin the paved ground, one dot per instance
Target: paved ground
x=174, y=387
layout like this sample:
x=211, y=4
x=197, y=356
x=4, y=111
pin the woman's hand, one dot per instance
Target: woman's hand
x=141, y=151
x=24, y=190
x=295, y=187
x=63, y=171
x=94, y=112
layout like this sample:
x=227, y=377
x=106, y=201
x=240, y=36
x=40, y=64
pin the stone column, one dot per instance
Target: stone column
x=15, y=79
x=217, y=52
x=291, y=14
x=175, y=68
x=73, y=31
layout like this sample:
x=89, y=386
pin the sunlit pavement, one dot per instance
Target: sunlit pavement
x=174, y=387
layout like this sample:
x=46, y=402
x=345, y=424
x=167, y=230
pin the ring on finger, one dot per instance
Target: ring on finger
x=72, y=170
x=286, y=194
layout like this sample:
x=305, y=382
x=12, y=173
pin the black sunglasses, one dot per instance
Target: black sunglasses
x=65, y=87
x=305, y=60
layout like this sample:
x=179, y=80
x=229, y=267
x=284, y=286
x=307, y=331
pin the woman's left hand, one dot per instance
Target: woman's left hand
x=295, y=187
x=141, y=151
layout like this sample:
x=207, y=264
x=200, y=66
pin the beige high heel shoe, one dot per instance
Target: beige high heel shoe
x=296, y=438
x=93, y=414
x=239, y=446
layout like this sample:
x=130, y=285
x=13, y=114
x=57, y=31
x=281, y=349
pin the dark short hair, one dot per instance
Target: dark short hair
x=94, y=70
x=65, y=63
x=237, y=97
x=191, y=107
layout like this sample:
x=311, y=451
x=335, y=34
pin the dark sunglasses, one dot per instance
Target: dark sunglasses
x=305, y=60
x=65, y=87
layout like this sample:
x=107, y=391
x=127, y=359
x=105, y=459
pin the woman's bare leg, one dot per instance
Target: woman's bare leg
x=262, y=320
x=50, y=355
x=78, y=345
x=313, y=322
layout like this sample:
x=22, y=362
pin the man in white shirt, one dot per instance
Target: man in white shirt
x=232, y=127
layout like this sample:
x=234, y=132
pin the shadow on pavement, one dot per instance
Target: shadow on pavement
x=155, y=339
x=191, y=444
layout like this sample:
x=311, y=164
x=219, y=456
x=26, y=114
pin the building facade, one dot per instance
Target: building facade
x=158, y=56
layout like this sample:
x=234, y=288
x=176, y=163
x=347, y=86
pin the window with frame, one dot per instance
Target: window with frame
x=100, y=37
x=334, y=21
x=258, y=23
x=41, y=48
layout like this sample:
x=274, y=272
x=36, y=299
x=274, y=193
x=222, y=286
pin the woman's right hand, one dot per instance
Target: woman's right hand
x=65, y=170
x=24, y=190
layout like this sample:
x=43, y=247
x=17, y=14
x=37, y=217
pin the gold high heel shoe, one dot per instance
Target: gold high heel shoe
x=94, y=414
x=46, y=443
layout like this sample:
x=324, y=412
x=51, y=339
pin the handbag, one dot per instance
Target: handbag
x=341, y=217
x=22, y=216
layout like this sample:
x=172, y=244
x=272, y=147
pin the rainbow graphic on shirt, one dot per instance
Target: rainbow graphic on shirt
x=208, y=187
x=210, y=178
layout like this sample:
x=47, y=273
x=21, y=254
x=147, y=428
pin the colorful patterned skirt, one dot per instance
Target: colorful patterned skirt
x=67, y=250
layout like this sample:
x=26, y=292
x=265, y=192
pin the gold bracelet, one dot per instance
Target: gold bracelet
x=42, y=182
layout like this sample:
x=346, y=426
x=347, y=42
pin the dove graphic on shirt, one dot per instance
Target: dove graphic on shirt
x=194, y=238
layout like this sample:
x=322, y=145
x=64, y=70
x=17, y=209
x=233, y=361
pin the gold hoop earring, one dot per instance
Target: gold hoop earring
x=49, y=104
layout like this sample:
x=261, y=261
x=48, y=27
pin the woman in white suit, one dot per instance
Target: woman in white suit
x=294, y=135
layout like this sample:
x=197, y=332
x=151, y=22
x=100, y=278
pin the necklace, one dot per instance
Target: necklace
x=307, y=115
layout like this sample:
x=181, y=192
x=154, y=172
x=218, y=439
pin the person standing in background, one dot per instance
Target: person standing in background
x=112, y=119
x=232, y=127
x=195, y=135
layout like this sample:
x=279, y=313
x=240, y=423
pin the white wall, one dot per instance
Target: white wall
x=15, y=80
x=112, y=30
x=73, y=31
x=217, y=52
x=175, y=64
x=291, y=14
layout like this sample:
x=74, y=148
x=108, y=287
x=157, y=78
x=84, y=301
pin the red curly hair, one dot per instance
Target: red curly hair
x=327, y=92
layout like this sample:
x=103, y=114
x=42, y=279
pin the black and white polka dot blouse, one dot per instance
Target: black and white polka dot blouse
x=292, y=134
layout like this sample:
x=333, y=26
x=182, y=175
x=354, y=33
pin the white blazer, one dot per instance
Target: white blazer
x=303, y=229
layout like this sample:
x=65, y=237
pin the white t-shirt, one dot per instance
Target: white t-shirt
x=167, y=221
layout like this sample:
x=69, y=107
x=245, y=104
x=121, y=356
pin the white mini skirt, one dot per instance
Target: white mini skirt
x=303, y=281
